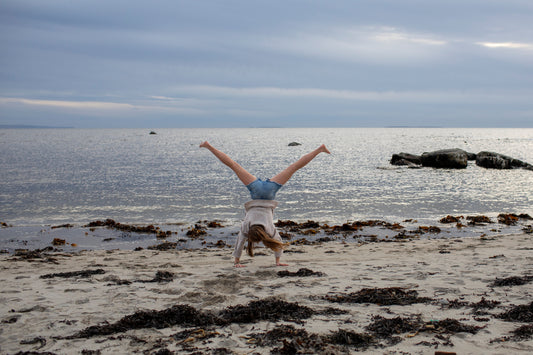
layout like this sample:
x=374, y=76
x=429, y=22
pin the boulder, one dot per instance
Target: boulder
x=491, y=160
x=471, y=156
x=445, y=159
x=405, y=159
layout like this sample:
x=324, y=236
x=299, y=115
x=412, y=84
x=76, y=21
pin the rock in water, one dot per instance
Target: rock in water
x=491, y=160
x=405, y=159
x=445, y=159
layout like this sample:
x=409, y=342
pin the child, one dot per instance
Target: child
x=258, y=224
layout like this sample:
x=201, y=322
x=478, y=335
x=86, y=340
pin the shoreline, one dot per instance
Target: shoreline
x=453, y=280
x=109, y=234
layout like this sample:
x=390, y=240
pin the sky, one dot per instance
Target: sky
x=247, y=63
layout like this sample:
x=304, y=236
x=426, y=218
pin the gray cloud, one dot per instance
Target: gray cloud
x=311, y=63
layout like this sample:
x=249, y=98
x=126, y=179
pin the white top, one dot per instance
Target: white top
x=259, y=212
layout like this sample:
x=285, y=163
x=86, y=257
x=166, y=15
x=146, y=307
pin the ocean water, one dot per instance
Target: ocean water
x=58, y=176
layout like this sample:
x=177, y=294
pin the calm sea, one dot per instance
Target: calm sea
x=52, y=177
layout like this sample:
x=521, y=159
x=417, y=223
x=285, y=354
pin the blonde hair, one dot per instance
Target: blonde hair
x=258, y=234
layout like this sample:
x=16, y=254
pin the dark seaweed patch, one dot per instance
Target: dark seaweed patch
x=303, y=272
x=385, y=327
x=346, y=337
x=511, y=281
x=184, y=315
x=524, y=332
x=164, y=246
x=380, y=296
x=82, y=273
x=161, y=276
x=484, y=304
x=272, y=309
x=449, y=325
x=299, y=341
x=522, y=313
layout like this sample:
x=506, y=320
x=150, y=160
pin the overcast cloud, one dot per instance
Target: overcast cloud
x=172, y=63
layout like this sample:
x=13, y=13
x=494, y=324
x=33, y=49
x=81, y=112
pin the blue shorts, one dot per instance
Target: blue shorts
x=263, y=190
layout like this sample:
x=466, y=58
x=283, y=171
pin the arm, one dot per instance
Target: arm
x=239, y=246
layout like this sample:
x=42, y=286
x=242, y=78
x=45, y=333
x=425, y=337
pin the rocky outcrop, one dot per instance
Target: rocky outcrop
x=405, y=159
x=458, y=159
x=491, y=160
x=445, y=159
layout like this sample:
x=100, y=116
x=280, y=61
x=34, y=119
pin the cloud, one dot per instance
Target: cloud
x=82, y=105
x=406, y=96
x=370, y=44
x=98, y=107
x=508, y=45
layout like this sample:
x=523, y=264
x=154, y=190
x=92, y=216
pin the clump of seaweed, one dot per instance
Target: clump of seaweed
x=303, y=272
x=347, y=337
x=299, y=341
x=524, y=332
x=484, y=304
x=512, y=281
x=161, y=276
x=478, y=220
x=184, y=315
x=380, y=296
x=164, y=246
x=109, y=223
x=82, y=274
x=521, y=313
x=449, y=325
x=271, y=308
x=34, y=255
x=385, y=327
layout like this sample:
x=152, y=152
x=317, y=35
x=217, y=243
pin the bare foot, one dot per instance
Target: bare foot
x=240, y=265
x=323, y=149
x=281, y=264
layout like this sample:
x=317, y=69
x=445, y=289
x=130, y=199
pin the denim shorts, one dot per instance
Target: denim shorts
x=263, y=190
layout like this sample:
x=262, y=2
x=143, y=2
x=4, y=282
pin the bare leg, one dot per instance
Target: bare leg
x=286, y=174
x=242, y=174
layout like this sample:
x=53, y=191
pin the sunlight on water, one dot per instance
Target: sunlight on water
x=75, y=176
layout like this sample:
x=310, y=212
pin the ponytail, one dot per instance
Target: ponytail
x=258, y=234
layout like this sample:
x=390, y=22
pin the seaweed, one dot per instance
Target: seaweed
x=272, y=309
x=347, y=337
x=161, y=276
x=82, y=273
x=385, y=327
x=524, y=332
x=449, y=325
x=295, y=340
x=300, y=273
x=183, y=315
x=34, y=255
x=109, y=223
x=521, y=313
x=512, y=281
x=380, y=296
x=164, y=246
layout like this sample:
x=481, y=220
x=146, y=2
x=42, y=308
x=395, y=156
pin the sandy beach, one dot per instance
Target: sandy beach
x=463, y=295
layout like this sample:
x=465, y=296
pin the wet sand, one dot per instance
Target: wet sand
x=402, y=297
